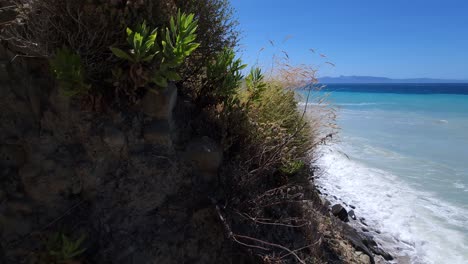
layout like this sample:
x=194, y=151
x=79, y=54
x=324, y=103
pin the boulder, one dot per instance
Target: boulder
x=159, y=104
x=339, y=211
x=370, y=243
x=379, y=251
x=355, y=238
x=352, y=215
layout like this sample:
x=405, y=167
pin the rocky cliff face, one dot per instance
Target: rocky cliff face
x=117, y=178
x=138, y=184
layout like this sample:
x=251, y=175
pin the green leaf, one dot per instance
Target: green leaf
x=148, y=58
x=173, y=76
x=121, y=54
x=160, y=81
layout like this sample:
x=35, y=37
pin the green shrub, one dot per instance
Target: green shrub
x=218, y=29
x=223, y=78
x=177, y=45
x=69, y=72
x=143, y=45
x=156, y=63
x=280, y=132
x=255, y=86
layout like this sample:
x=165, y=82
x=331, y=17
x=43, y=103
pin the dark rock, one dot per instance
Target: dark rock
x=46, y=185
x=206, y=155
x=379, y=251
x=12, y=155
x=114, y=138
x=355, y=239
x=369, y=241
x=339, y=211
x=352, y=215
x=158, y=132
x=362, y=222
x=364, y=229
x=159, y=104
x=352, y=206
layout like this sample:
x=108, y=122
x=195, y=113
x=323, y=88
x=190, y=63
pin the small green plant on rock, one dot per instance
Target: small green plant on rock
x=176, y=46
x=69, y=72
x=156, y=62
x=63, y=249
x=143, y=43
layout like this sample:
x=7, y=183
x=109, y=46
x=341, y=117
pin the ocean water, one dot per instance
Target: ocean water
x=401, y=159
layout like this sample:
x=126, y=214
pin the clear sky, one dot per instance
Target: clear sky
x=389, y=38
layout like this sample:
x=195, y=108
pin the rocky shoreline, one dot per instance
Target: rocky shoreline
x=355, y=229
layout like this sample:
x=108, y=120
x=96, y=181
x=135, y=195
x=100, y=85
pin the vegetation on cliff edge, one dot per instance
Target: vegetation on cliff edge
x=109, y=54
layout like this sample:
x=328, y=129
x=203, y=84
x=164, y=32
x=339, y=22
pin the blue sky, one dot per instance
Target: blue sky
x=396, y=39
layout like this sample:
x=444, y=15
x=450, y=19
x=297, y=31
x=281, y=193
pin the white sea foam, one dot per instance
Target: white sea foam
x=461, y=186
x=413, y=222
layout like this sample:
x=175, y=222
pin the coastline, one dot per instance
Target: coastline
x=364, y=236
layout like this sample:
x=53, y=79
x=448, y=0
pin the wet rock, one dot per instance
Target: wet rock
x=339, y=211
x=369, y=241
x=352, y=215
x=159, y=104
x=355, y=239
x=379, y=251
x=362, y=222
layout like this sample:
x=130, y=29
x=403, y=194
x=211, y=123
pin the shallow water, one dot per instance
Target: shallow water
x=402, y=160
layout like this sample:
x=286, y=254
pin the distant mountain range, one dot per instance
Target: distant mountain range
x=371, y=79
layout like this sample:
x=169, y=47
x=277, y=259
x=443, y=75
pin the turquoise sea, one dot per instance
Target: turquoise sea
x=401, y=158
